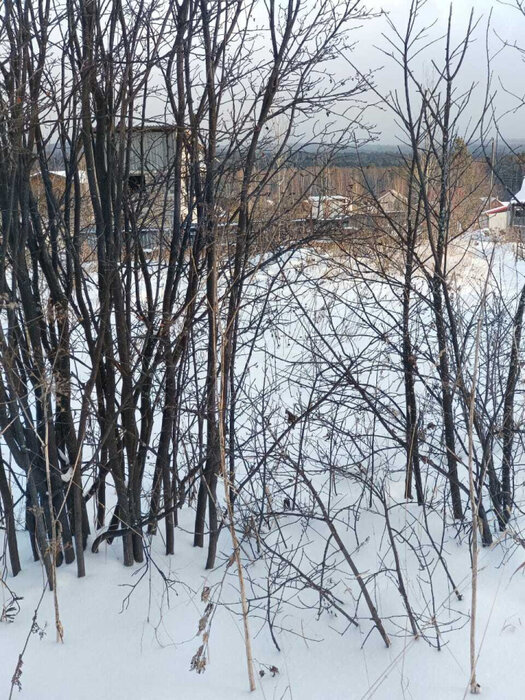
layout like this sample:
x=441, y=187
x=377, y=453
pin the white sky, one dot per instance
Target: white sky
x=507, y=24
x=508, y=69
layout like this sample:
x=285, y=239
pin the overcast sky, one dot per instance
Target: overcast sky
x=507, y=25
x=508, y=68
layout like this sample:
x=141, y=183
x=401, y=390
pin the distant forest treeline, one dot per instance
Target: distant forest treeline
x=381, y=165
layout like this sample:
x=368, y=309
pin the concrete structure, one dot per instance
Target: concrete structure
x=151, y=161
x=152, y=151
x=329, y=207
x=497, y=218
x=391, y=202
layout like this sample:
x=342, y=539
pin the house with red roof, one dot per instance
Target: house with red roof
x=506, y=215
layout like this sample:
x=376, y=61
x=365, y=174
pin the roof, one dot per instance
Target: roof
x=329, y=197
x=394, y=193
x=520, y=196
x=154, y=126
x=82, y=175
x=497, y=210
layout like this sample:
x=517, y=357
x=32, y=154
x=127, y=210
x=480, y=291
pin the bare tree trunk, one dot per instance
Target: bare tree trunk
x=7, y=500
x=508, y=414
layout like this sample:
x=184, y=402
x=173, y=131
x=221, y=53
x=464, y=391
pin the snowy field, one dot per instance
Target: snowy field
x=132, y=633
x=143, y=648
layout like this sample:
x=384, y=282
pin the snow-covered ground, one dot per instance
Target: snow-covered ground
x=142, y=649
x=132, y=633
